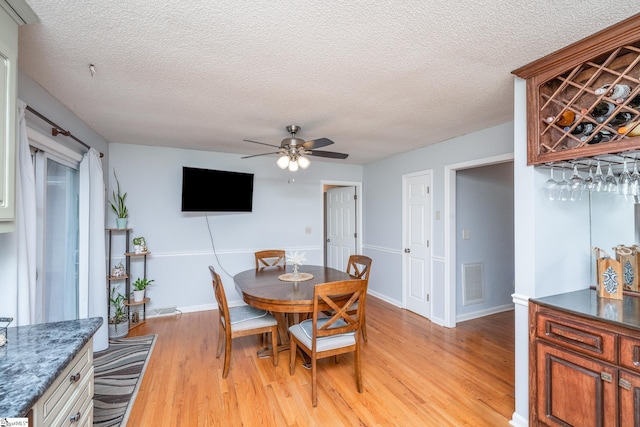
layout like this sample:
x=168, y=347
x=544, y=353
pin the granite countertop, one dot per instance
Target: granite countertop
x=625, y=312
x=34, y=357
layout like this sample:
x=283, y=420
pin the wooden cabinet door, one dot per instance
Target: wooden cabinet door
x=629, y=393
x=574, y=390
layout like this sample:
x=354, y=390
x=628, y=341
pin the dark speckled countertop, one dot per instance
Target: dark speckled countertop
x=33, y=358
x=625, y=312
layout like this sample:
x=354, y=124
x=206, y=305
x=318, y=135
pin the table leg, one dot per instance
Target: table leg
x=284, y=321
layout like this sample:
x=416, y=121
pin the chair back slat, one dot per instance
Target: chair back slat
x=359, y=266
x=340, y=296
x=221, y=297
x=270, y=258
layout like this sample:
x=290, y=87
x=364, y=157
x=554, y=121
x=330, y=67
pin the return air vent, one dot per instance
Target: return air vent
x=472, y=284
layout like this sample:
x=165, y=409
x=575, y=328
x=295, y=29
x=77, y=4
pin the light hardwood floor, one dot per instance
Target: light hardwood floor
x=415, y=373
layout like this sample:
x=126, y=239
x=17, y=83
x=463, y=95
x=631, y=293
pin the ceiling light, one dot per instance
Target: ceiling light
x=303, y=162
x=283, y=162
x=293, y=166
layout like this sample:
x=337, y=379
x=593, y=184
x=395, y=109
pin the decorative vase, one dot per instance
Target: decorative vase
x=118, y=330
x=138, y=249
x=121, y=223
x=296, y=273
x=138, y=296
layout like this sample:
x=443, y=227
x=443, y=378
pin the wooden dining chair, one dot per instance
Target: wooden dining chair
x=360, y=266
x=270, y=258
x=240, y=321
x=325, y=336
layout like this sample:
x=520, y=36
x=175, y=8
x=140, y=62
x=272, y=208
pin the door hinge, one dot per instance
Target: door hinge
x=355, y=197
x=427, y=243
x=427, y=297
x=428, y=189
x=355, y=235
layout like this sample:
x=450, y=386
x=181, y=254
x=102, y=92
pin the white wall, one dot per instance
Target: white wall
x=484, y=208
x=383, y=207
x=180, y=243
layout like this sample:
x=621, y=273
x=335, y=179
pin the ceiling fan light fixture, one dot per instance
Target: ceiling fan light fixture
x=303, y=162
x=283, y=162
x=293, y=166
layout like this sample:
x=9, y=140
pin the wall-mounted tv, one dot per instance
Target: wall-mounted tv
x=208, y=190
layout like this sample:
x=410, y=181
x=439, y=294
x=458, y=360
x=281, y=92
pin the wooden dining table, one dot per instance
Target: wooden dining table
x=289, y=301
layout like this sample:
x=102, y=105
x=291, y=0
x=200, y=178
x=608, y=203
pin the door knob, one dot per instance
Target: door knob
x=407, y=250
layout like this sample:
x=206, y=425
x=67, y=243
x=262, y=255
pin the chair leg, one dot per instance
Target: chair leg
x=274, y=344
x=292, y=356
x=227, y=357
x=314, y=388
x=356, y=359
x=220, y=341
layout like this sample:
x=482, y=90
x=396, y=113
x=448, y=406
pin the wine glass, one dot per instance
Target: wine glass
x=598, y=179
x=563, y=187
x=634, y=184
x=551, y=187
x=624, y=181
x=610, y=182
x=588, y=181
x=576, y=185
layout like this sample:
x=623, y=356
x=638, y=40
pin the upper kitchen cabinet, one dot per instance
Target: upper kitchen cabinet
x=584, y=100
x=12, y=14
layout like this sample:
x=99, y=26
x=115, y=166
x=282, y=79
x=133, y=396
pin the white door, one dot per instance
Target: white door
x=341, y=226
x=417, y=236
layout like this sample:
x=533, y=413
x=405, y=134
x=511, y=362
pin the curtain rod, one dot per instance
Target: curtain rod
x=55, y=130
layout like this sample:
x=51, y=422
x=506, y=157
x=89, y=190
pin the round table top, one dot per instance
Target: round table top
x=261, y=288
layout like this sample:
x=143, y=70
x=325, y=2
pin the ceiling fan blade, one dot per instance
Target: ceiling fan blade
x=317, y=143
x=328, y=154
x=261, y=143
x=258, y=155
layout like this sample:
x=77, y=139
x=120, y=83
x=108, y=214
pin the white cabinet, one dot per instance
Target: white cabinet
x=69, y=400
x=8, y=86
x=12, y=14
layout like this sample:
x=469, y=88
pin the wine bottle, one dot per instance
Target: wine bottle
x=615, y=92
x=635, y=102
x=621, y=119
x=602, y=110
x=633, y=128
x=602, y=136
x=583, y=128
x=566, y=118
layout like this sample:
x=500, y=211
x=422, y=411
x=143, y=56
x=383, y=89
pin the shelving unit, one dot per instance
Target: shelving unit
x=134, y=321
x=572, y=84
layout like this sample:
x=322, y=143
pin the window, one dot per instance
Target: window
x=57, y=186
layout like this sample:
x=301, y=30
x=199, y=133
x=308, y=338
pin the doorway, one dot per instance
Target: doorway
x=416, y=256
x=452, y=267
x=342, y=216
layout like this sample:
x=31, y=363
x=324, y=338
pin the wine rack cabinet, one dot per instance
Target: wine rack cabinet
x=584, y=100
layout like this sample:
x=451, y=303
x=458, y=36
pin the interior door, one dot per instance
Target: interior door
x=341, y=226
x=417, y=236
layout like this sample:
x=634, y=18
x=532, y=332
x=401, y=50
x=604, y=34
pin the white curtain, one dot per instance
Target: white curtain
x=92, y=268
x=23, y=289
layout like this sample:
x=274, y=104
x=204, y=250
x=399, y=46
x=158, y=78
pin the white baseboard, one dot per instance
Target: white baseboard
x=482, y=313
x=518, y=420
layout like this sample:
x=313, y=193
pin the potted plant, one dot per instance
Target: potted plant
x=118, y=205
x=139, y=245
x=139, y=286
x=119, y=321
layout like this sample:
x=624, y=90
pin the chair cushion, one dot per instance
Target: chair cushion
x=304, y=333
x=246, y=314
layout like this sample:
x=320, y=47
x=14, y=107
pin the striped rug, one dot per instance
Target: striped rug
x=118, y=373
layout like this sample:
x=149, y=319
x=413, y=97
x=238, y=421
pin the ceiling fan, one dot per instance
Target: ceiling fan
x=293, y=150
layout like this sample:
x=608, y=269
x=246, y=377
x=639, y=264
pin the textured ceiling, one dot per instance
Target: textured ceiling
x=378, y=77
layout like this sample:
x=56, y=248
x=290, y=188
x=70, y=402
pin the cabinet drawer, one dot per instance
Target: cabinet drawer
x=80, y=409
x=577, y=336
x=630, y=353
x=71, y=380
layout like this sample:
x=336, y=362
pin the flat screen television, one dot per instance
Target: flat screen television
x=208, y=190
